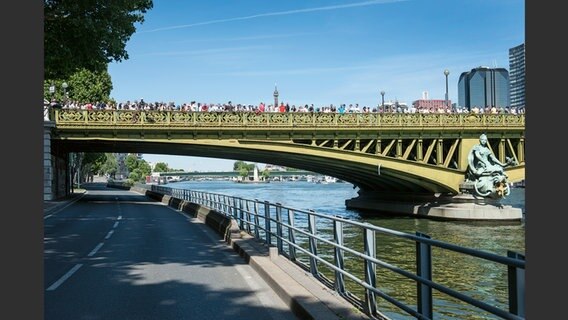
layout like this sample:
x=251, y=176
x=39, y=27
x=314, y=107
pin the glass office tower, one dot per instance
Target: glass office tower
x=484, y=87
x=517, y=75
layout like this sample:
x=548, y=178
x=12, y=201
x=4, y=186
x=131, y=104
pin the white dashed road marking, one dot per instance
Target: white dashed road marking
x=109, y=234
x=92, y=253
x=65, y=277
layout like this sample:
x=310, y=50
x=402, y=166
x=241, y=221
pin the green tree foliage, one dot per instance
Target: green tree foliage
x=92, y=163
x=87, y=86
x=265, y=174
x=135, y=175
x=241, y=164
x=88, y=34
x=144, y=169
x=243, y=172
x=161, y=167
x=131, y=162
x=83, y=86
x=110, y=166
x=138, y=168
x=237, y=165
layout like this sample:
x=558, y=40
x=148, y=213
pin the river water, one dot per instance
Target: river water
x=472, y=276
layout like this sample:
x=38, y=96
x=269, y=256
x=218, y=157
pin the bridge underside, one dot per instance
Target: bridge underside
x=368, y=172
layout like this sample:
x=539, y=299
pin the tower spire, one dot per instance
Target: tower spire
x=275, y=95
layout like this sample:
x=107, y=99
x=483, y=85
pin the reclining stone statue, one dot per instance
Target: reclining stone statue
x=485, y=172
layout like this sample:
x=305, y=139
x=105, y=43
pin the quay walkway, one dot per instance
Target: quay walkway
x=306, y=297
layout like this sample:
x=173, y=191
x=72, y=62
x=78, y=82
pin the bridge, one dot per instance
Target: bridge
x=402, y=162
x=289, y=173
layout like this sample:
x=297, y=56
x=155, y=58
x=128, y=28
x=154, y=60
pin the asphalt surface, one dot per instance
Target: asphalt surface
x=115, y=254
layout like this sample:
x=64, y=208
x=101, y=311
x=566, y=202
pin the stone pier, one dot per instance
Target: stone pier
x=48, y=168
x=444, y=207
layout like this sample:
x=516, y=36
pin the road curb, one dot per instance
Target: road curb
x=60, y=205
x=306, y=296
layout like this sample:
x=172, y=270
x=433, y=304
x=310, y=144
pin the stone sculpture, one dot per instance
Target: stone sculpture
x=485, y=172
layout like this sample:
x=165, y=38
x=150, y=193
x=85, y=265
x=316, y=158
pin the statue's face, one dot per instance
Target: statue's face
x=483, y=140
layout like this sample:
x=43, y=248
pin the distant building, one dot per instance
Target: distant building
x=484, y=87
x=272, y=167
x=517, y=75
x=433, y=105
x=395, y=106
x=122, y=170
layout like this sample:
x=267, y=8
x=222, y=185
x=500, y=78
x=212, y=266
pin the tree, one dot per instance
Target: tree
x=83, y=86
x=265, y=174
x=241, y=164
x=161, y=167
x=91, y=164
x=238, y=164
x=144, y=169
x=243, y=172
x=88, y=34
x=138, y=168
x=131, y=162
x=110, y=166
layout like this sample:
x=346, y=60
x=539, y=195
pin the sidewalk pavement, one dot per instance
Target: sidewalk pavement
x=51, y=206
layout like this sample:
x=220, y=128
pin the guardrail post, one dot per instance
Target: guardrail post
x=313, y=243
x=247, y=214
x=256, y=222
x=516, y=286
x=213, y=201
x=424, y=271
x=291, y=235
x=370, y=271
x=241, y=215
x=339, y=263
x=235, y=210
x=267, y=222
x=279, y=228
x=227, y=209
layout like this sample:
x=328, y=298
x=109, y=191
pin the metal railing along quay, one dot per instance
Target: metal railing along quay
x=342, y=254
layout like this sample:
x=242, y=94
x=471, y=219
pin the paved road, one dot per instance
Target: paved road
x=114, y=254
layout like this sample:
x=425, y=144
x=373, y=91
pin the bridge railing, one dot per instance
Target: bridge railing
x=343, y=255
x=172, y=119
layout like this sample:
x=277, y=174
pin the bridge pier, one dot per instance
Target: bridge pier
x=463, y=206
x=55, y=167
x=47, y=161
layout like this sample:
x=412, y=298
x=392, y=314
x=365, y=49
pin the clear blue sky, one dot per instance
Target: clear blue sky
x=320, y=52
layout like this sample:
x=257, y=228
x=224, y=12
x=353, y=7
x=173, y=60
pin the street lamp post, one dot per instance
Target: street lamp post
x=383, y=100
x=446, y=73
x=64, y=85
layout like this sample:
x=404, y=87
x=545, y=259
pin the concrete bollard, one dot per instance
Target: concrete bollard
x=273, y=253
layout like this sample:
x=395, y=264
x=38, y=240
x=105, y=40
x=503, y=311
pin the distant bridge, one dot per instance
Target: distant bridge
x=273, y=173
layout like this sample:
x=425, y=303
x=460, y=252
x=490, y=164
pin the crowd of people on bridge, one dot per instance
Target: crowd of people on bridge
x=194, y=106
